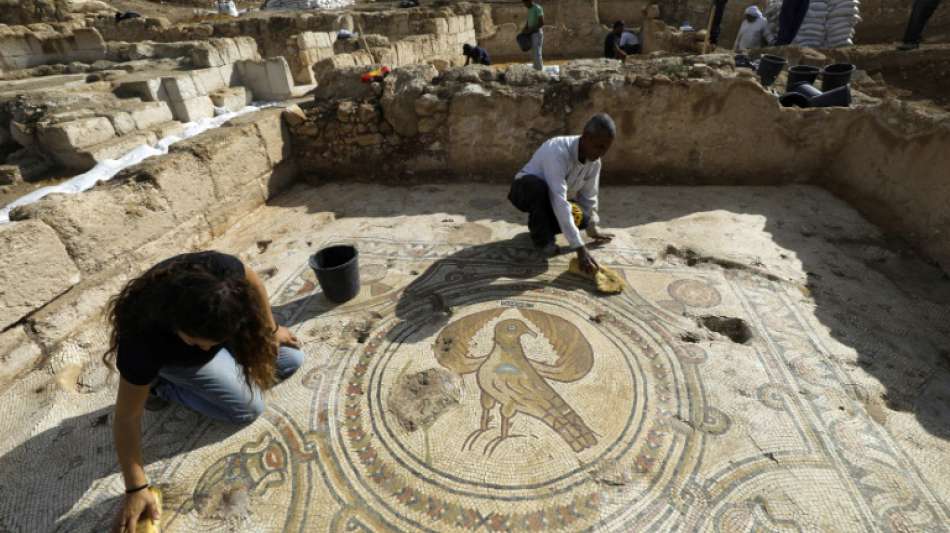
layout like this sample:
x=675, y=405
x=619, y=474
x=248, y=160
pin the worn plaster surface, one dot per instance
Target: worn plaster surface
x=828, y=409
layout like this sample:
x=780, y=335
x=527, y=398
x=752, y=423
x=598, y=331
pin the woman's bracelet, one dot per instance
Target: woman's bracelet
x=136, y=489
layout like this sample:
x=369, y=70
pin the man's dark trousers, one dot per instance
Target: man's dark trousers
x=530, y=194
x=790, y=19
x=717, y=21
x=919, y=16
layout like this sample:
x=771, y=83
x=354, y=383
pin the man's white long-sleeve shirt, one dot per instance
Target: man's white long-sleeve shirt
x=557, y=163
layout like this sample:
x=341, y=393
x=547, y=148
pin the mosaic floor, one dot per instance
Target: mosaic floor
x=574, y=412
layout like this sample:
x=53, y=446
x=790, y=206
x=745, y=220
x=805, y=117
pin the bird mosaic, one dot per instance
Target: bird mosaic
x=516, y=383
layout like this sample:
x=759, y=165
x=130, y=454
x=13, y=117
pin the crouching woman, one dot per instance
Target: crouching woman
x=196, y=330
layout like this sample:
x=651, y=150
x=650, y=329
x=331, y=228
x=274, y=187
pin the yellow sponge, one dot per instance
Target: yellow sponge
x=608, y=281
x=145, y=523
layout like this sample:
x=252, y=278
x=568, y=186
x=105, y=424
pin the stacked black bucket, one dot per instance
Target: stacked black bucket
x=800, y=90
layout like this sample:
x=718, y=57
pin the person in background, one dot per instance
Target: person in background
x=559, y=188
x=715, y=29
x=754, y=32
x=919, y=16
x=629, y=42
x=475, y=53
x=790, y=20
x=620, y=43
x=197, y=330
x=534, y=27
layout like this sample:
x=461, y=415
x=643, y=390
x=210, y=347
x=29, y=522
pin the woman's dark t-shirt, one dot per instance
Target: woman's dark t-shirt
x=139, y=359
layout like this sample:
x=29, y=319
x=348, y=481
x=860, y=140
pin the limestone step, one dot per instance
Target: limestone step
x=86, y=158
x=148, y=114
x=192, y=109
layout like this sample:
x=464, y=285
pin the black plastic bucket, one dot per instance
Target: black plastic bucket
x=769, y=68
x=801, y=74
x=524, y=41
x=805, y=89
x=793, y=100
x=834, y=76
x=338, y=272
x=837, y=97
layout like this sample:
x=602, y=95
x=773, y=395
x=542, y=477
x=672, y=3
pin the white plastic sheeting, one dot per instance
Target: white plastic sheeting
x=106, y=170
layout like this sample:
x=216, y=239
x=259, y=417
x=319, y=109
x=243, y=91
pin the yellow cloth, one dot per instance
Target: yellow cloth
x=608, y=281
x=145, y=523
x=578, y=214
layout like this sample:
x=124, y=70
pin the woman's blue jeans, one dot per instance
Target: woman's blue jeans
x=218, y=390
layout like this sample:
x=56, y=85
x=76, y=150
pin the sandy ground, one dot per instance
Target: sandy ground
x=824, y=407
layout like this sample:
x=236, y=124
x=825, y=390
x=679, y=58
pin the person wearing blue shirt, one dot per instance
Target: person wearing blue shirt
x=475, y=54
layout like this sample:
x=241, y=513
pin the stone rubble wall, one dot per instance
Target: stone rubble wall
x=65, y=255
x=680, y=123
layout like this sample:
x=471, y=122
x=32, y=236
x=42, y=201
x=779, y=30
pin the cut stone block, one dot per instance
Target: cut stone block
x=34, y=269
x=192, y=109
x=68, y=136
x=101, y=225
x=183, y=179
x=205, y=55
x=268, y=79
x=208, y=80
x=272, y=130
x=114, y=148
x=232, y=98
x=227, y=49
x=148, y=114
x=122, y=122
x=247, y=48
x=181, y=88
x=236, y=156
x=147, y=88
x=230, y=75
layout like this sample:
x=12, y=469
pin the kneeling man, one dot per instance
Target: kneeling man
x=558, y=189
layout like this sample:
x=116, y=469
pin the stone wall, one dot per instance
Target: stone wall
x=572, y=29
x=680, y=123
x=441, y=46
x=305, y=49
x=65, y=255
x=83, y=126
x=24, y=47
x=32, y=11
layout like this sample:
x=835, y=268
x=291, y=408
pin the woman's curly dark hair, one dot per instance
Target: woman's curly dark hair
x=188, y=297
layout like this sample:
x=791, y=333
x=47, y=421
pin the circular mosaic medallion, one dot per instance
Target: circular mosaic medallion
x=694, y=293
x=555, y=407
